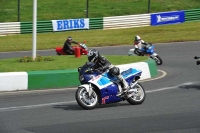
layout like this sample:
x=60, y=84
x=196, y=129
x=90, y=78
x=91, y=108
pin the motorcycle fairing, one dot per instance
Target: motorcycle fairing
x=150, y=50
x=109, y=85
x=106, y=79
x=108, y=94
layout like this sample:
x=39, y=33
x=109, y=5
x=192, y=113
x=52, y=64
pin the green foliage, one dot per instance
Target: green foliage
x=38, y=58
x=68, y=9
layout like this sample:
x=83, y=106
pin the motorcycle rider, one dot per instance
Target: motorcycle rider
x=139, y=44
x=102, y=64
x=67, y=48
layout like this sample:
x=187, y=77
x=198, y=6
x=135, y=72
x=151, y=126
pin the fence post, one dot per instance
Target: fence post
x=18, y=10
x=149, y=2
x=87, y=4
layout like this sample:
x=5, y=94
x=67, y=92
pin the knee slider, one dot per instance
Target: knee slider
x=114, y=71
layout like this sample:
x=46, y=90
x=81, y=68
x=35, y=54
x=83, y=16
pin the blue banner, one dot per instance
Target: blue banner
x=167, y=18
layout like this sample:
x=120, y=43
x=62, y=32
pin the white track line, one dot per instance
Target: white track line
x=169, y=88
x=163, y=75
x=67, y=102
x=32, y=106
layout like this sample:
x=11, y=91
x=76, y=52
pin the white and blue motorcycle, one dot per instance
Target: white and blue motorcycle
x=99, y=88
x=149, y=50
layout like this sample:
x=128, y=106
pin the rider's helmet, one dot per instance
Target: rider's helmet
x=137, y=39
x=69, y=38
x=93, y=55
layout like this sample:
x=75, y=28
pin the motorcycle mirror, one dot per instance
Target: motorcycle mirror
x=195, y=57
x=79, y=69
x=88, y=63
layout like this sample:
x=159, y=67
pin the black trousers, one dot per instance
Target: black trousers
x=70, y=52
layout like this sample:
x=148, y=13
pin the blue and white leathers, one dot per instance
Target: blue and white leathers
x=107, y=84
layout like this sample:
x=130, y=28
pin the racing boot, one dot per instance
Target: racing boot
x=124, y=84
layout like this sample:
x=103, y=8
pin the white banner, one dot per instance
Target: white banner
x=70, y=24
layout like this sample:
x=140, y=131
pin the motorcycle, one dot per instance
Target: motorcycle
x=82, y=46
x=149, y=50
x=198, y=61
x=99, y=88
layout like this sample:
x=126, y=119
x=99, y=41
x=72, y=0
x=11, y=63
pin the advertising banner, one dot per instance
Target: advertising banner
x=167, y=18
x=70, y=24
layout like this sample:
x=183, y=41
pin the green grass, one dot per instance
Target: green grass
x=188, y=31
x=65, y=9
x=60, y=63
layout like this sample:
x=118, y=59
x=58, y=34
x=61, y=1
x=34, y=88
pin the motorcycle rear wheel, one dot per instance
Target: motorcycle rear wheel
x=139, y=96
x=84, y=100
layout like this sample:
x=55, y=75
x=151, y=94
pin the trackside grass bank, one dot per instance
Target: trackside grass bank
x=60, y=63
x=67, y=9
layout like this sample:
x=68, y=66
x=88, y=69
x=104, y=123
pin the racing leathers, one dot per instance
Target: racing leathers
x=103, y=64
x=138, y=46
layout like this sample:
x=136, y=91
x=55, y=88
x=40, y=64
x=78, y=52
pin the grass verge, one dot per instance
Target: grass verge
x=61, y=63
x=188, y=31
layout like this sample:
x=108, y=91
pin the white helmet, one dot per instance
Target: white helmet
x=137, y=38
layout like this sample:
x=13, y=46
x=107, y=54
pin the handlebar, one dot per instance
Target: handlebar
x=198, y=61
x=196, y=57
x=83, y=45
x=90, y=70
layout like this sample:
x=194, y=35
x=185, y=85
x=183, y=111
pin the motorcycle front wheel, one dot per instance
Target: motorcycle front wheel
x=58, y=53
x=158, y=60
x=138, y=96
x=84, y=100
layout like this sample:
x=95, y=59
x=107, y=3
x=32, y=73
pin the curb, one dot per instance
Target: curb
x=37, y=80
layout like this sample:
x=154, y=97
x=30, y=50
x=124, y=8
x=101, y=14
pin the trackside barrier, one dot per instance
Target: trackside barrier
x=192, y=15
x=36, y=80
x=11, y=81
x=95, y=23
x=114, y=22
x=127, y=21
x=10, y=28
x=42, y=26
x=52, y=79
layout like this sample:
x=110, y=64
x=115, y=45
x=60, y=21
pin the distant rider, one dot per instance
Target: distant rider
x=139, y=44
x=67, y=48
x=102, y=64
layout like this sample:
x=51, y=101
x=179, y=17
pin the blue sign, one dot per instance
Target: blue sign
x=167, y=18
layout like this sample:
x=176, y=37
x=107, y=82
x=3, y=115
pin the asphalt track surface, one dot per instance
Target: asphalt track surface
x=172, y=103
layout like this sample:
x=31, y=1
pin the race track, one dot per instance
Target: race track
x=172, y=104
